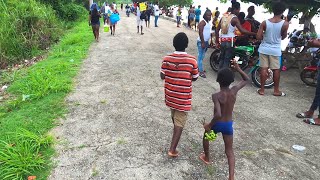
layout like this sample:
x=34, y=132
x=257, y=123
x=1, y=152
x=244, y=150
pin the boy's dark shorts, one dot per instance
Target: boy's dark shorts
x=179, y=118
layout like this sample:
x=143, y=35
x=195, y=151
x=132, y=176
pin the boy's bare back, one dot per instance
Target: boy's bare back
x=226, y=99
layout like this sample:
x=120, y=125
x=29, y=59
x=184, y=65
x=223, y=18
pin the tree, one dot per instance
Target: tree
x=309, y=9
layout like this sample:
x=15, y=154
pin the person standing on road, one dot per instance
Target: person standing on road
x=222, y=121
x=215, y=23
x=156, y=14
x=121, y=6
x=140, y=19
x=254, y=23
x=192, y=16
x=227, y=25
x=178, y=70
x=271, y=32
x=189, y=23
x=242, y=39
x=108, y=13
x=114, y=5
x=143, y=17
x=114, y=13
x=203, y=40
x=179, y=16
x=198, y=14
x=148, y=15
x=308, y=115
x=94, y=20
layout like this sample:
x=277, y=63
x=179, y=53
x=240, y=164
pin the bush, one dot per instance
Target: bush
x=66, y=10
x=72, y=12
x=26, y=28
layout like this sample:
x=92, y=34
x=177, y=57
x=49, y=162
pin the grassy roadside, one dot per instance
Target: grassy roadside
x=36, y=101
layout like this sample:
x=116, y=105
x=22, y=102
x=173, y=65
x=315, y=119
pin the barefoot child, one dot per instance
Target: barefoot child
x=224, y=101
x=178, y=70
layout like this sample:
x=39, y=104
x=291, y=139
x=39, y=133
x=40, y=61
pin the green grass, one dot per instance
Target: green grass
x=36, y=102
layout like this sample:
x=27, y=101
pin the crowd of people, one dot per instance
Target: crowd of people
x=180, y=69
x=110, y=16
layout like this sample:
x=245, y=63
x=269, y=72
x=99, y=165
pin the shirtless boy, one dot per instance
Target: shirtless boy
x=224, y=101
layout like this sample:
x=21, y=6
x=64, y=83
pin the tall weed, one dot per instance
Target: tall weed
x=26, y=28
x=21, y=154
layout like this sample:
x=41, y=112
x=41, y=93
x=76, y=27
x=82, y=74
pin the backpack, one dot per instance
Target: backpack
x=225, y=21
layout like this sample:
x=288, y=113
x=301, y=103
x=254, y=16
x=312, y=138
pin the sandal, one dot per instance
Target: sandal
x=282, y=94
x=302, y=115
x=311, y=121
x=260, y=93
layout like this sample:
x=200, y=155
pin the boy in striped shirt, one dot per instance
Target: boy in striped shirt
x=178, y=70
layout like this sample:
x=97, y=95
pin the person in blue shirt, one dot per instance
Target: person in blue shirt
x=198, y=14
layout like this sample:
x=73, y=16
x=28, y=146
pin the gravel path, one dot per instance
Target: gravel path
x=118, y=126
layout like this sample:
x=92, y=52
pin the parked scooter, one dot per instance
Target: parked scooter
x=309, y=74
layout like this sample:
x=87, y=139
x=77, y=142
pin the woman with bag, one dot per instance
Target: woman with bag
x=114, y=18
x=94, y=20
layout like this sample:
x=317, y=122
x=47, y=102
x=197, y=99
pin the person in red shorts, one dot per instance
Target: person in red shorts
x=178, y=70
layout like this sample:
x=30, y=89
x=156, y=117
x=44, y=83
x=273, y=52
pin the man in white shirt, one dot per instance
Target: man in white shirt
x=156, y=14
x=114, y=5
x=140, y=21
x=107, y=13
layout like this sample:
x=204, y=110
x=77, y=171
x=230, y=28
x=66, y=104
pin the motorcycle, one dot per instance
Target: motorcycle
x=309, y=74
x=244, y=52
x=248, y=54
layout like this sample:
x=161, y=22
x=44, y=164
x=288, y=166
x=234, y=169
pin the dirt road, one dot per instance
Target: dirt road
x=118, y=126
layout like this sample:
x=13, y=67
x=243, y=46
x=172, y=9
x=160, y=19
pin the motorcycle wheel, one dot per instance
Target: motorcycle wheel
x=214, y=60
x=255, y=75
x=245, y=63
x=309, y=77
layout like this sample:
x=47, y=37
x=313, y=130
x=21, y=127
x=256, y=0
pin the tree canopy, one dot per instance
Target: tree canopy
x=311, y=7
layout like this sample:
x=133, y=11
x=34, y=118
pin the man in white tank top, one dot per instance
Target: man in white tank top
x=203, y=40
x=227, y=38
x=271, y=32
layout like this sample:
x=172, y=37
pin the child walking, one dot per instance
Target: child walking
x=178, y=70
x=224, y=101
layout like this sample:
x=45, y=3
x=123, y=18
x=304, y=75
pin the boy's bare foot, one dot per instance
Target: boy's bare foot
x=205, y=159
x=260, y=92
x=173, y=154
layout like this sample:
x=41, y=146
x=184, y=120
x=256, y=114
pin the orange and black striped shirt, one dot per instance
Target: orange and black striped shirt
x=179, y=69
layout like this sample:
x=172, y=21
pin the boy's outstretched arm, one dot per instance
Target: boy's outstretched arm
x=245, y=77
x=217, y=113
